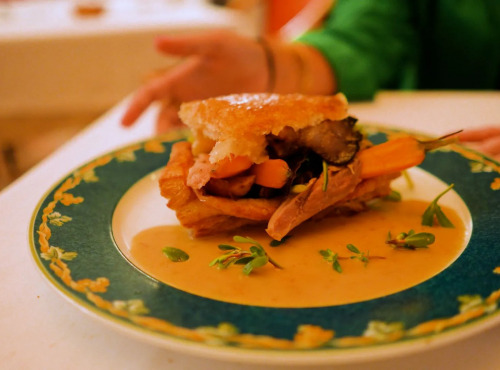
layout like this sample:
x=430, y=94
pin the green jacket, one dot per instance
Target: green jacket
x=411, y=44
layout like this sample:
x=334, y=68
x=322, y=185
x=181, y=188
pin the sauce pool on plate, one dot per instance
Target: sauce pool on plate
x=307, y=279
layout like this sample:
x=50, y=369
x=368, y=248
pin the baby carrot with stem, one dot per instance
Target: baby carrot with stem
x=398, y=154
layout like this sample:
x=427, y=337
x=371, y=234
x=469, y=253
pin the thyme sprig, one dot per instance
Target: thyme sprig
x=333, y=258
x=253, y=258
x=410, y=240
x=434, y=211
x=362, y=256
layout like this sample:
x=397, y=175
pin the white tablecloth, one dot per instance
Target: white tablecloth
x=39, y=329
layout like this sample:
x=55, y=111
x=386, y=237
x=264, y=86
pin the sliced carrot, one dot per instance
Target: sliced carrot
x=273, y=173
x=230, y=166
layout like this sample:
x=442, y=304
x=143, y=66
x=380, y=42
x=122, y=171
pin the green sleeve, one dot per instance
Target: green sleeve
x=369, y=44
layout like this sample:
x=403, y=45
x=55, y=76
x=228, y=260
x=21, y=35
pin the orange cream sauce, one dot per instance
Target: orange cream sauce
x=306, y=279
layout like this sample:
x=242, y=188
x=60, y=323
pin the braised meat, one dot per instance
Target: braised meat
x=335, y=141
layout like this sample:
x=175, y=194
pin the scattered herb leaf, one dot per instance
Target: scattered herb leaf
x=435, y=211
x=277, y=243
x=353, y=248
x=394, y=196
x=175, y=254
x=226, y=247
x=361, y=256
x=253, y=258
x=255, y=263
x=332, y=258
x=410, y=240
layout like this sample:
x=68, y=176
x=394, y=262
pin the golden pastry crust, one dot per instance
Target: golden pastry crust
x=238, y=123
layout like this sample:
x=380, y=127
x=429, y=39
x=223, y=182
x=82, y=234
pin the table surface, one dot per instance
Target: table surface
x=54, y=19
x=42, y=330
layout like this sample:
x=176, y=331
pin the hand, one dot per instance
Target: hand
x=484, y=139
x=216, y=63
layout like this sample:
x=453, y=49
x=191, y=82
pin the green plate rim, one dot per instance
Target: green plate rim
x=321, y=354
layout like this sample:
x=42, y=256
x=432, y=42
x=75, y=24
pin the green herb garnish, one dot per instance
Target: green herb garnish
x=362, y=256
x=277, y=243
x=408, y=179
x=394, y=196
x=325, y=175
x=435, y=211
x=254, y=258
x=332, y=258
x=410, y=240
x=175, y=254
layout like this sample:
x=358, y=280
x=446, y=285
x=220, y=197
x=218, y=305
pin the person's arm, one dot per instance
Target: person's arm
x=220, y=63
x=369, y=45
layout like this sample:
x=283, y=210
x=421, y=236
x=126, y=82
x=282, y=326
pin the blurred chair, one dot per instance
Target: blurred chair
x=288, y=19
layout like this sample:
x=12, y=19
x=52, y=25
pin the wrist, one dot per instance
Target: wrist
x=270, y=64
x=316, y=74
x=283, y=67
x=297, y=68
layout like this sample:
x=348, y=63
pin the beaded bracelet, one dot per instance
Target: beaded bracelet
x=304, y=74
x=271, y=64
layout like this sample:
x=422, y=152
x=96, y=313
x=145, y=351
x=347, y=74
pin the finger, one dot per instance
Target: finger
x=159, y=88
x=490, y=146
x=168, y=119
x=479, y=134
x=154, y=90
x=188, y=44
x=141, y=100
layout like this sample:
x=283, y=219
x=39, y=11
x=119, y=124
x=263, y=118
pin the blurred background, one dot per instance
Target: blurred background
x=63, y=63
